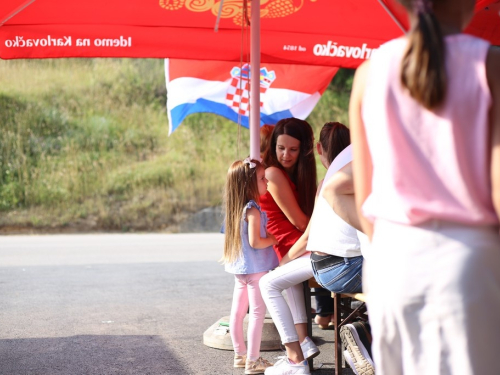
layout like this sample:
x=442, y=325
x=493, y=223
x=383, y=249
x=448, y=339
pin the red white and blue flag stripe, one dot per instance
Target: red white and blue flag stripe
x=222, y=88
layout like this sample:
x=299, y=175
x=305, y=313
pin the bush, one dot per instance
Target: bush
x=85, y=141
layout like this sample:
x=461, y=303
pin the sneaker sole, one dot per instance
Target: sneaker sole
x=363, y=364
x=350, y=362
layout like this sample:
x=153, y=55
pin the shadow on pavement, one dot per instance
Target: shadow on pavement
x=88, y=354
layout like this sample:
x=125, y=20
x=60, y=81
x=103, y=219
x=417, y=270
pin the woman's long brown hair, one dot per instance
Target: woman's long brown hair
x=304, y=176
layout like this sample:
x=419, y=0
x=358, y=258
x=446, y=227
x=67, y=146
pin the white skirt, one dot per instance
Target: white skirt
x=434, y=299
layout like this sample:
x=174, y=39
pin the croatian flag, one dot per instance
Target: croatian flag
x=222, y=87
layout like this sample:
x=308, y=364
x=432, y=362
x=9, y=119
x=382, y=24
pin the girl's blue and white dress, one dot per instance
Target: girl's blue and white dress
x=253, y=260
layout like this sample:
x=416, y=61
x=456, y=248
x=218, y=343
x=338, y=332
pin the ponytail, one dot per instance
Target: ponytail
x=334, y=138
x=423, y=70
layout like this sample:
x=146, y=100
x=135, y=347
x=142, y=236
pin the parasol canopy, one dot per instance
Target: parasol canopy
x=336, y=33
x=313, y=32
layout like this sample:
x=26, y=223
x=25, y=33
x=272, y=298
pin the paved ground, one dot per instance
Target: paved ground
x=117, y=304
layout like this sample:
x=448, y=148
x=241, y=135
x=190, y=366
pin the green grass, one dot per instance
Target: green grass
x=84, y=146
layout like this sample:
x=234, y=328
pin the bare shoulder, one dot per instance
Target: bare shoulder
x=340, y=179
x=356, y=99
x=253, y=211
x=360, y=76
x=358, y=91
x=252, y=214
x=346, y=168
x=362, y=68
x=275, y=174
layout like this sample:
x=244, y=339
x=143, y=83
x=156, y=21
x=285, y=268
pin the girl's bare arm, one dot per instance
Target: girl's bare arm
x=362, y=162
x=339, y=193
x=254, y=238
x=299, y=247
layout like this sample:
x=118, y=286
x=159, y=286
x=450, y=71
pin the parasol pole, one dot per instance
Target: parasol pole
x=255, y=80
x=389, y=12
x=16, y=11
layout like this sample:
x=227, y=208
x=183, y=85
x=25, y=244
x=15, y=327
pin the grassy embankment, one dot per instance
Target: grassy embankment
x=84, y=146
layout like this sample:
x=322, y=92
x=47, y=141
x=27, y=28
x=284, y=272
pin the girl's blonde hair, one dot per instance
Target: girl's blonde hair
x=241, y=187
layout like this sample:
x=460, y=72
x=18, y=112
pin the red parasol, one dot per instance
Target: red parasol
x=314, y=32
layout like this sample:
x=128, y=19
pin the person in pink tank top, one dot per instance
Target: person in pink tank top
x=425, y=126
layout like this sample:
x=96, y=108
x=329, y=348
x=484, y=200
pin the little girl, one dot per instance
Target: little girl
x=249, y=255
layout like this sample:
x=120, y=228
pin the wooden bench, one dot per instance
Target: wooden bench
x=343, y=312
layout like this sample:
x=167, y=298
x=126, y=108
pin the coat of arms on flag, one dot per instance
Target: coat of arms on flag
x=221, y=88
x=238, y=93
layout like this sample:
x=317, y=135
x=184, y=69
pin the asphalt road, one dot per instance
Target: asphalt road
x=117, y=304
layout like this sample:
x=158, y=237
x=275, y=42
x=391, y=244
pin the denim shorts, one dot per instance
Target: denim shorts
x=338, y=274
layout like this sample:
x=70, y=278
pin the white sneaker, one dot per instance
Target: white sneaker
x=356, y=353
x=350, y=362
x=284, y=367
x=309, y=348
x=366, y=370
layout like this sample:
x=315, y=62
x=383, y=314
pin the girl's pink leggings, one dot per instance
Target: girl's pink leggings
x=247, y=292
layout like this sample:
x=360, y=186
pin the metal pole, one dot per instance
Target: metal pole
x=393, y=16
x=17, y=10
x=255, y=80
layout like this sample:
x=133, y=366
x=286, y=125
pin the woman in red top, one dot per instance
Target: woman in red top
x=291, y=172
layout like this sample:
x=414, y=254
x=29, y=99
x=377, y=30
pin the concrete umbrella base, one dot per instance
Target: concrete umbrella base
x=217, y=335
